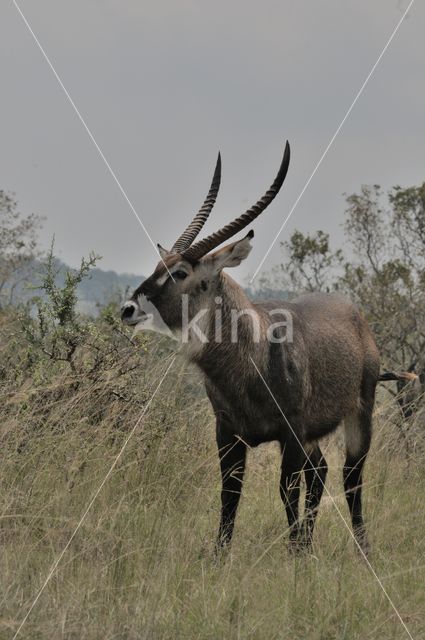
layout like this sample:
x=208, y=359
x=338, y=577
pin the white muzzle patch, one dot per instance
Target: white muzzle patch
x=144, y=316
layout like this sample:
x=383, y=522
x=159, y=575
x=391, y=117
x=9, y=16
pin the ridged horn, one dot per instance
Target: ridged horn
x=190, y=233
x=198, y=250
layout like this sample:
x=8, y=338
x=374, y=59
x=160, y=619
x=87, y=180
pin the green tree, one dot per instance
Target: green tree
x=59, y=329
x=386, y=274
x=311, y=264
x=382, y=270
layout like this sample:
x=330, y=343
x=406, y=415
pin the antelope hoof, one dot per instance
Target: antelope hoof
x=221, y=548
x=299, y=547
x=299, y=544
x=364, y=547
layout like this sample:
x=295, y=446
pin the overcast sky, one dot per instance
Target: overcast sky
x=164, y=85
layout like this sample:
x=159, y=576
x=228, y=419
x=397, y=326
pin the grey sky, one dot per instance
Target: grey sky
x=164, y=85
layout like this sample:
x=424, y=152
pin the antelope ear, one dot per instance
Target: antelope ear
x=232, y=254
x=162, y=252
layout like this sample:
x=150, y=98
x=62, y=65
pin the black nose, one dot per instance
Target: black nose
x=127, y=311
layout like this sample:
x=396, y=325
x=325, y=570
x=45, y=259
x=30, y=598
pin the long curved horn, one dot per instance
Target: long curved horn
x=189, y=235
x=202, y=247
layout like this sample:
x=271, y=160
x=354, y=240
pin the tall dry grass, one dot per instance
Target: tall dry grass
x=141, y=565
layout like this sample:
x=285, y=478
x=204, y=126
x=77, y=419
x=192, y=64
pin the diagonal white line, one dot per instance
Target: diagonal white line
x=341, y=124
x=334, y=503
x=91, y=136
x=93, y=499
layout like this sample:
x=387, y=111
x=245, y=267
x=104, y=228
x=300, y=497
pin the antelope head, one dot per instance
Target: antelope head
x=190, y=271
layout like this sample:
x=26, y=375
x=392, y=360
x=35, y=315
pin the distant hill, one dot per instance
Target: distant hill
x=96, y=290
x=100, y=287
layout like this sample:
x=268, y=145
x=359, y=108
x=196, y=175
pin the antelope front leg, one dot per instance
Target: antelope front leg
x=292, y=465
x=232, y=452
x=315, y=470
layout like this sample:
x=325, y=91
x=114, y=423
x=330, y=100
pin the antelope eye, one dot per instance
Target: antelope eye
x=179, y=275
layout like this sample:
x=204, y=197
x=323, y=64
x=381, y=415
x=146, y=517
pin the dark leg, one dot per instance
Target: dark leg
x=315, y=471
x=232, y=452
x=292, y=463
x=358, y=436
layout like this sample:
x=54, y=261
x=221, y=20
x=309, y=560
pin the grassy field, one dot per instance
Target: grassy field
x=141, y=564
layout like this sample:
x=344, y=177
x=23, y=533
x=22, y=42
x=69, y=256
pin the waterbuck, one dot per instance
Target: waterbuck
x=264, y=386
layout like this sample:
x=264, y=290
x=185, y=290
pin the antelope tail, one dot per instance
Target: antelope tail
x=407, y=376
